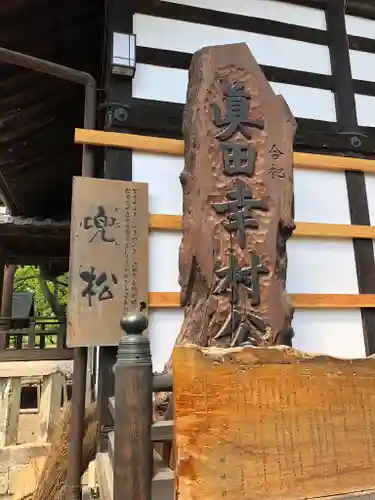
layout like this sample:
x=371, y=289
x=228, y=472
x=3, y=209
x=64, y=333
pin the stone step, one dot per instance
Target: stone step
x=104, y=476
x=162, y=483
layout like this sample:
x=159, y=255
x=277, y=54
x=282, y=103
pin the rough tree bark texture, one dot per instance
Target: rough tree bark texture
x=217, y=117
x=239, y=139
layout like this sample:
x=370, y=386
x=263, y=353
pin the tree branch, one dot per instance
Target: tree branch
x=57, y=309
x=21, y=280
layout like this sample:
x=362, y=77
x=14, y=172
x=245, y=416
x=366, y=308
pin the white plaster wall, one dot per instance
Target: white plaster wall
x=359, y=26
x=336, y=332
x=362, y=64
x=264, y=9
x=188, y=37
x=370, y=190
x=170, y=85
x=363, y=67
x=315, y=265
x=365, y=105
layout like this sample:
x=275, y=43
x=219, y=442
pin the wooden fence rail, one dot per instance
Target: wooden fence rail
x=33, y=338
x=131, y=467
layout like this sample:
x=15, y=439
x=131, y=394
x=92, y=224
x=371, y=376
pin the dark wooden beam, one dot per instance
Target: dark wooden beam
x=182, y=60
x=361, y=8
x=361, y=43
x=315, y=4
x=164, y=119
x=2, y=275
x=117, y=165
x=7, y=298
x=199, y=15
x=355, y=181
x=340, y=65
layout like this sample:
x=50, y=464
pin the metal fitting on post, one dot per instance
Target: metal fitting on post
x=133, y=347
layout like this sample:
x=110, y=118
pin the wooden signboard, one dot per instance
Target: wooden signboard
x=108, y=272
x=238, y=203
x=272, y=424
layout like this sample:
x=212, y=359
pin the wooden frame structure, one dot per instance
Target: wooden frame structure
x=339, y=137
x=28, y=342
x=175, y=147
x=148, y=114
x=24, y=243
x=168, y=222
x=151, y=117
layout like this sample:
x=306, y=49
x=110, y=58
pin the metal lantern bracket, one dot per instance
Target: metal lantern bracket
x=123, y=60
x=116, y=113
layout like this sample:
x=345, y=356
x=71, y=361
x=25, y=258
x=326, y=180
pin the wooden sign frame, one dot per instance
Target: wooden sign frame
x=108, y=272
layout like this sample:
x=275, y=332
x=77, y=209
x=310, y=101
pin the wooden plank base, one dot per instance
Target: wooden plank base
x=272, y=424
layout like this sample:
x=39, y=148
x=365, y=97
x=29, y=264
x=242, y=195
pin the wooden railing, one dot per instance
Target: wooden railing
x=149, y=462
x=135, y=470
x=33, y=338
x=130, y=448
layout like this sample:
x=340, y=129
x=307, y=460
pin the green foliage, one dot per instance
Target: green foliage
x=27, y=279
